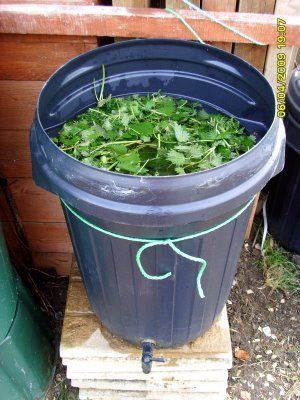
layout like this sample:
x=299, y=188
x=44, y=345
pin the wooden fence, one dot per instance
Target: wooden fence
x=36, y=39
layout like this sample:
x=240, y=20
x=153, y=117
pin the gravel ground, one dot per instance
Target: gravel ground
x=265, y=337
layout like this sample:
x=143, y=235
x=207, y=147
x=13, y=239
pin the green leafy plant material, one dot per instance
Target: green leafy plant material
x=153, y=134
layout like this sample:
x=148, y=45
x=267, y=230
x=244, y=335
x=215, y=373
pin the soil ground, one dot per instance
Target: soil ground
x=265, y=333
x=265, y=324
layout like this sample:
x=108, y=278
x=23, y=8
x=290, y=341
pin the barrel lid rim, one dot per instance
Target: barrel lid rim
x=149, y=178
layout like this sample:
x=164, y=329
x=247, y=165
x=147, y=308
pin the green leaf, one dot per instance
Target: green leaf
x=117, y=149
x=197, y=151
x=89, y=135
x=183, y=148
x=176, y=158
x=111, y=135
x=107, y=125
x=203, y=115
x=180, y=134
x=129, y=162
x=152, y=134
x=146, y=139
x=215, y=160
x=179, y=170
x=167, y=107
x=142, y=128
x=88, y=160
x=125, y=119
x=68, y=142
x=224, y=152
x=149, y=105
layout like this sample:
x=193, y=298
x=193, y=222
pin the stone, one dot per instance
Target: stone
x=84, y=336
x=106, y=367
x=296, y=259
x=116, y=365
x=94, y=394
x=157, y=386
x=77, y=301
x=180, y=377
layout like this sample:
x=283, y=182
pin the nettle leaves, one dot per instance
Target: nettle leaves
x=152, y=135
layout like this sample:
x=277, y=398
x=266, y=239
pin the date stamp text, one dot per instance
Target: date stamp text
x=281, y=67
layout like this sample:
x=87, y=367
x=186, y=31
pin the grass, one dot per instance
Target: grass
x=280, y=272
x=63, y=391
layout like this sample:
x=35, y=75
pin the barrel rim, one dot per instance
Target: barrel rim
x=149, y=178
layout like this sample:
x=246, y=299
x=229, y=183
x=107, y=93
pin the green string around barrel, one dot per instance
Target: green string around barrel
x=163, y=242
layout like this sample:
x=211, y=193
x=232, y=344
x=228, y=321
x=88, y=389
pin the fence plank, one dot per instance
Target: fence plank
x=13, y=38
x=291, y=7
x=34, y=60
x=252, y=53
x=216, y=5
x=252, y=215
x=17, y=103
x=48, y=237
x=14, y=153
x=61, y=262
x=62, y=2
x=138, y=22
x=131, y=3
x=33, y=203
x=15, y=168
x=11, y=238
x=178, y=4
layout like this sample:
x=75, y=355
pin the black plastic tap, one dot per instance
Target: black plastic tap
x=147, y=357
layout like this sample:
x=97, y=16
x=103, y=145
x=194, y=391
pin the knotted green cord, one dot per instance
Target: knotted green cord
x=163, y=242
x=211, y=18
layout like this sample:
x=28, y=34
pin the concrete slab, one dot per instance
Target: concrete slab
x=94, y=394
x=155, y=376
x=119, y=365
x=158, y=386
x=106, y=367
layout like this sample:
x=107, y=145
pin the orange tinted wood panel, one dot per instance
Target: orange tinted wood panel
x=48, y=237
x=17, y=103
x=33, y=203
x=61, y=262
x=139, y=22
x=36, y=61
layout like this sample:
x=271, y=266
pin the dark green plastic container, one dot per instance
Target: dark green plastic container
x=26, y=353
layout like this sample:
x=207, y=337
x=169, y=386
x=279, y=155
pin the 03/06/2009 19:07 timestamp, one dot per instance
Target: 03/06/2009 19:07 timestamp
x=281, y=67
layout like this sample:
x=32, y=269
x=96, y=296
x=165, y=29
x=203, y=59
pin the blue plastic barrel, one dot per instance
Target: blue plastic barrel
x=168, y=312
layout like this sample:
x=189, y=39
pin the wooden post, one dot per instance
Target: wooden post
x=253, y=53
x=252, y=215
x=216, y=5
x=180, y=4
x=129, y=3
x=291, y=7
